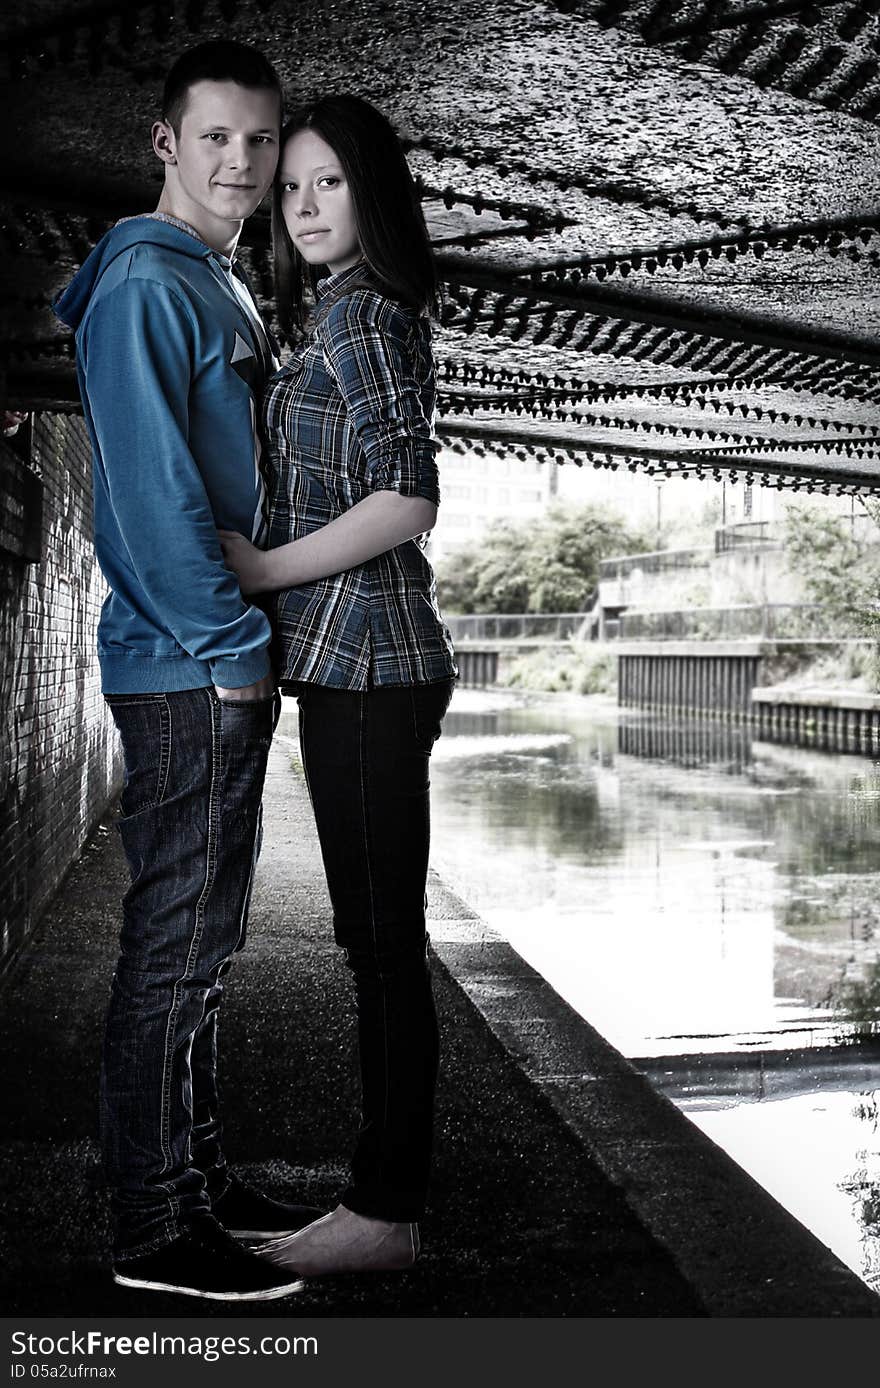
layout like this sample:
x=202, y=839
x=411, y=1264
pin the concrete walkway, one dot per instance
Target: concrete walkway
x=541, y=1204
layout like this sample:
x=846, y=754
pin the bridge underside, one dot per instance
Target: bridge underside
x=658, y=222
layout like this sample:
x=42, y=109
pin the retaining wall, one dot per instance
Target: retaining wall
x=823, y=718
x=691, y=676
x=60, y=763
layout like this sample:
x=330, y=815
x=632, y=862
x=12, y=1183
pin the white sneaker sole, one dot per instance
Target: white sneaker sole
x=270, y=1294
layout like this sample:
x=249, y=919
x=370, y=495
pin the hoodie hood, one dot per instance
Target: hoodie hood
x=71, y=304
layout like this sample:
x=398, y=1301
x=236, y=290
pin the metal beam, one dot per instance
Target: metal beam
x=606, y=302
x=676, y=460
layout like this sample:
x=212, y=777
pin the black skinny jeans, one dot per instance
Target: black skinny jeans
x=366, y=756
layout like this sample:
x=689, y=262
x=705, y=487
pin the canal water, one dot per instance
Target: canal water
x=710, y=903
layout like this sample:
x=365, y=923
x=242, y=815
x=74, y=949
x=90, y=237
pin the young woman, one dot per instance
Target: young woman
x=360, y=639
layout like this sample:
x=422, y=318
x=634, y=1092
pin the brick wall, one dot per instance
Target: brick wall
x=60, y=762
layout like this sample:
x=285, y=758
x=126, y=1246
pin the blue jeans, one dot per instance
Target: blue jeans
x=366, y=756
x=190, y=826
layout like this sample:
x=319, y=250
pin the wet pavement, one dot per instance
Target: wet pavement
x=551, y=1197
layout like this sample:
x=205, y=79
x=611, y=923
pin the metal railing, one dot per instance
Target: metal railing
x=653, y=562
x=769, y=621
x=517, y=626
x=752, y=534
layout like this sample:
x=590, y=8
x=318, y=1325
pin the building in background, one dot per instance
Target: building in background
x=478, y=489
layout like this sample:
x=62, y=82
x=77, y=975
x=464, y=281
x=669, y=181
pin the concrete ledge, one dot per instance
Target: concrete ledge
x=709, y=649
x=740, y=1251
x=815, y=697
x=748, y=646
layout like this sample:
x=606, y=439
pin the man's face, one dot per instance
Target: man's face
x=222, y=159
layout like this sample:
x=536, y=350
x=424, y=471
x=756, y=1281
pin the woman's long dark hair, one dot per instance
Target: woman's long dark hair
x=390, y=224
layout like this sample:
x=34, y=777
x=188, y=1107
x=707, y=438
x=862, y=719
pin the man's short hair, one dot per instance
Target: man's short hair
x=220, y=60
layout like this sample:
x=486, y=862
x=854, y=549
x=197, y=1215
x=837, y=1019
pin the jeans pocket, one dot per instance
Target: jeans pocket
x=249, y=719
x=429, y=704
x=144, y=725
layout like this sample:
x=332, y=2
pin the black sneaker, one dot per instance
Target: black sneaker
x=247, y=1214
x=204, y=1260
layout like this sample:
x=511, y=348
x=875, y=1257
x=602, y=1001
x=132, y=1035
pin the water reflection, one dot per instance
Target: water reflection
x=857, y=1002
x=710, y=902
x=697, y=742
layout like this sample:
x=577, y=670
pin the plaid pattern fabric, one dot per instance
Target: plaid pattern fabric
x=351, y=414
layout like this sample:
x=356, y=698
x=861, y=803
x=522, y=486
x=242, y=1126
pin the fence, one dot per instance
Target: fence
x=747, y=533
x=769, y=621
x=517, y=626
x=653, y=562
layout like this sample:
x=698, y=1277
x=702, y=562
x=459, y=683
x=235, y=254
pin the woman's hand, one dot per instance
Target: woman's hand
x=245, y=560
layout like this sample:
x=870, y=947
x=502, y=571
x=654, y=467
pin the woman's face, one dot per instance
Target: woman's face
x=317, y=203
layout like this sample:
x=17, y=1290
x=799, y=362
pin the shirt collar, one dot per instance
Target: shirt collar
x=331, y=284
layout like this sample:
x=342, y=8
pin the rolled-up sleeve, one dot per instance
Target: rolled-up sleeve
x=368, y=348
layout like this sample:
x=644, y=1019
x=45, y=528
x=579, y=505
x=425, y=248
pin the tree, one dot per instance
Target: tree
x=486, y=575
x=838, y=570
x=548, y=565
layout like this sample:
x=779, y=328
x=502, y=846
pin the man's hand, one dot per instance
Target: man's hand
x=263, y=689
x=245, y=560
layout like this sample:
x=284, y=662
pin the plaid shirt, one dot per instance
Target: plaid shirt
x=349, y=415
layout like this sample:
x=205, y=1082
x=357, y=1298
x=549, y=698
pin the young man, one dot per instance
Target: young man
x=171, y=351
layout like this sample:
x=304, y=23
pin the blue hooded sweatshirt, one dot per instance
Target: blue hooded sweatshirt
x=170, y=359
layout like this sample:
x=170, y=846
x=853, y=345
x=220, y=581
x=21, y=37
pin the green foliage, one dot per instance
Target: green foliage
x=839, y=569
x=857, y=1001
x=548, y=565
x=850, y=663
x=582, y=667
